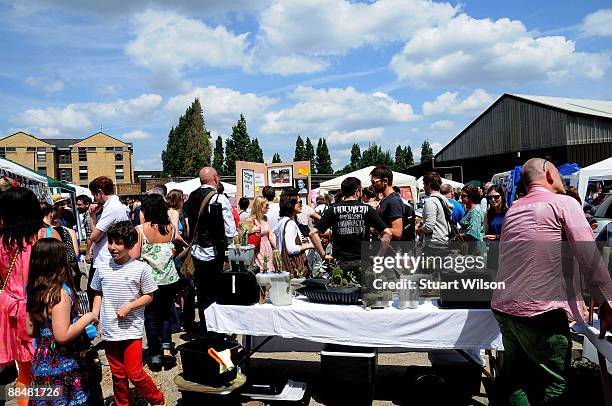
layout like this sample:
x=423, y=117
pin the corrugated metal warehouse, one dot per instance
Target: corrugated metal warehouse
x=517, y=127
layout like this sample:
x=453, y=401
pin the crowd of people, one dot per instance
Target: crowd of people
x=136, y=252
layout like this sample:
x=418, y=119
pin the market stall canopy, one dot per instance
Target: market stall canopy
x=454, y=184
x=79, y=190
x=190, y=185
x=399, y=180
x=28, y=178
x=598, y=171
x=58, y=184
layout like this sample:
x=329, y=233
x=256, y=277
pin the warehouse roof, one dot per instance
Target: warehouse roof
x=602, y=108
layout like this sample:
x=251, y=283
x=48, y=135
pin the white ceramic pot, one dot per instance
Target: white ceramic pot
x=280, y=290
x=263, y=279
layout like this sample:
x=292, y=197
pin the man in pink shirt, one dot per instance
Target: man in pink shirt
x=532, y=309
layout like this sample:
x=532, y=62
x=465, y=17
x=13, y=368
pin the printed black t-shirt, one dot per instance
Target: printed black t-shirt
x=350, y=221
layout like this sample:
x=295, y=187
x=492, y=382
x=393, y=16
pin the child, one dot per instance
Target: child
x=123, y=287
x=52, y=319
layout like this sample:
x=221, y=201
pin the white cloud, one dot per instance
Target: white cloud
x=47, y=85
x=343, y=137
x=78, y=117
x=149, y=164
x=598, y=24
x=319, y=112
x=448, y=103
x=136, y=135
x=122, y=7
x=222, y=106
x=332, y=27
x=168, y=42
x=467, y=50
x=442, y=125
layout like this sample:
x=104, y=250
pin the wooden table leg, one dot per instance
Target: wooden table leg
x=605, y=379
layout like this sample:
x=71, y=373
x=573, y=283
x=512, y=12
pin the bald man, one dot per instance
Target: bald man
x=543, y=233
x=211, y=233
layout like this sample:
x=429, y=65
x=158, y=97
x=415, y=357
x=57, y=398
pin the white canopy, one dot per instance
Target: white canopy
x=79, y=190
x=454, y=184
x=598, y=171
x=190, y=185
x=399, y=180
x=21, y=171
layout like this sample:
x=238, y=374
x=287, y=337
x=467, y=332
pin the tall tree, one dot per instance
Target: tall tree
x=237, y=147
x=218, y=162
x=199, y=151
x=310, y=155
x=409, y=159
x=276, y=158
x=426, y=152
x=323, y=159
x=400, y=159
x=256, y=154
x=300, y=150
x=355, y=157
x=170, y=156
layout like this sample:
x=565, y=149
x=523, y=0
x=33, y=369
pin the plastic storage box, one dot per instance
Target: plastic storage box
x=348, y=374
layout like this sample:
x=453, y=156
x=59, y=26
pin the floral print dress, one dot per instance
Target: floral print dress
x=55, y=366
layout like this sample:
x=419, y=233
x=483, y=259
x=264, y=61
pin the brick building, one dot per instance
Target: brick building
x=76, y=161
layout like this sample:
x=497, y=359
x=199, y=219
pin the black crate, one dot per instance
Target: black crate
x=348, y=374
x=199, y=367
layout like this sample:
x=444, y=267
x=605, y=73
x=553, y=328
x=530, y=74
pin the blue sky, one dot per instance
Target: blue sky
x=394, y=72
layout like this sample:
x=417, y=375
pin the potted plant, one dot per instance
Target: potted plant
x=240, y=250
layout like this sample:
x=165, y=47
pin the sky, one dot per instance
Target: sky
x=390, y=72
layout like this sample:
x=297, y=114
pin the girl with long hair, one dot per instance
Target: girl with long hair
x=261, y=227
x=67, y=235
x=20, y=227
x=52, y=319
x=156, y=238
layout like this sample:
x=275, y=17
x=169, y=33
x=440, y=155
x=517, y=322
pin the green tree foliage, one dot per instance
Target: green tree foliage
x=403, y=158
x=355, y=162
x=374, y=156
x=237, y=147
x=323, y=159
x=426, y=152
x=276, y=158
x=310, y=155
x=256, y=154
x=300, y=150
x=218, y=162
x=189, y=146
x=199, y=151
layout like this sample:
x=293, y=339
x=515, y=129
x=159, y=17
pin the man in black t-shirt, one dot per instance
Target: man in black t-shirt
x=350, y=221
x=391, y=207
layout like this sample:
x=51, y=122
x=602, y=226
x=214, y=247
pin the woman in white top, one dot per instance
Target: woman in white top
x=156, y=238
x=290, y=241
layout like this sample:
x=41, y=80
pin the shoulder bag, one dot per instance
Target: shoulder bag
x=293, y=262
x=188, y=267
x=453, y=232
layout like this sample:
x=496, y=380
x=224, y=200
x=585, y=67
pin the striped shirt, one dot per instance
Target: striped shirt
x=119, y=285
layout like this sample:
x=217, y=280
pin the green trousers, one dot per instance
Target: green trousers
x=537, y=355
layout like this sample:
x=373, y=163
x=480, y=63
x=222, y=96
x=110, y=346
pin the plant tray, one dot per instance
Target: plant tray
x=339, y=295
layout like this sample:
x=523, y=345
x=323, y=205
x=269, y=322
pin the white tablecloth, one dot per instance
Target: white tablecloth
x=424, y=328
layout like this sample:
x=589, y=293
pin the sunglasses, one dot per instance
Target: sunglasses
x=374, y=181
x=494, y=197
x=463, y=195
